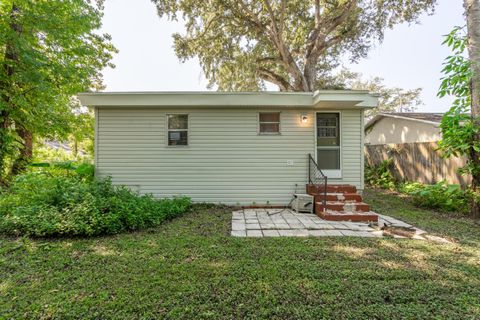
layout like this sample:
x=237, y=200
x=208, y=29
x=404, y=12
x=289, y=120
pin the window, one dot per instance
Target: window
x=328, y=129
x=177, y=129
x=269, y=122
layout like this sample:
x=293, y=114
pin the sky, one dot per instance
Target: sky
x=410, y=56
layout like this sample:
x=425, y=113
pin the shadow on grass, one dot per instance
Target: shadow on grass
x=191, y=268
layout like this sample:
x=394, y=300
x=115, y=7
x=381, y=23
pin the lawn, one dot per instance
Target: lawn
x=191, y=268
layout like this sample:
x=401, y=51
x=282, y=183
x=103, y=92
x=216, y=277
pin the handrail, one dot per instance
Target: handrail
x=317, y=177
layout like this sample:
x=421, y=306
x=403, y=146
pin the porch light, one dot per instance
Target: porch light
x=304, y=118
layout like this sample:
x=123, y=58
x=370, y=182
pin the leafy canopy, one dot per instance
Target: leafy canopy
x=295, y=44
x=49, y=51
x=391, y=99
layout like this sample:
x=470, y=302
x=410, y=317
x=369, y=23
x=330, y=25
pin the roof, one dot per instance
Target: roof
x=432, y=117
x=324, y=98
x=425, y=117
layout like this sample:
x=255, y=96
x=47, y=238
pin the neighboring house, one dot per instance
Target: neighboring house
x=233, y=148
x=410, y=141
x=388, y=128
x=57, y=145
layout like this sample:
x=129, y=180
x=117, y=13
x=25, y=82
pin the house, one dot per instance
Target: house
x=233, y=148
x=408, y=127
x=410, y=142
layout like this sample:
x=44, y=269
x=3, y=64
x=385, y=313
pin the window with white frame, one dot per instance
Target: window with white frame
x=177, y=129
x=269, y=122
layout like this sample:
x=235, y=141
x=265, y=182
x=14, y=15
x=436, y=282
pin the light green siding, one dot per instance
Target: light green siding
x=352, y=148
x=226, y=161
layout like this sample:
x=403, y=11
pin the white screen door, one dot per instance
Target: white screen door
x=328, y=144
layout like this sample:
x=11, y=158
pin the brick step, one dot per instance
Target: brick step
x=342, y=206
x=357, y=216
x=339, y=197
x=331, y=188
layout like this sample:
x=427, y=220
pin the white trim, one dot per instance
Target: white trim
x=95, y=141
x=362, y=150
x=331, y=174
x=321, y=99
x=379, y=117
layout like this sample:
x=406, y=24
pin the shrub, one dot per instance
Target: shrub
x=440, y=196
x=68, y=201
x=380, y=176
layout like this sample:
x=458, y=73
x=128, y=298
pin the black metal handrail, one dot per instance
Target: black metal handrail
x=317, y=177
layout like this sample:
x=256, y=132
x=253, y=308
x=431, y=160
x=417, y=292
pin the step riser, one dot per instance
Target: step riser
x=319, y=207
x=319, y=189
x=348, y=217
x=344, y=197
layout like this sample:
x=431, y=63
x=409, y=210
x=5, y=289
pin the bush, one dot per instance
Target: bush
x=440, y=196
x=380, y=176
x=66, y=200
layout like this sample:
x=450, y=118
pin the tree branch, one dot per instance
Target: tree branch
x=292, y=66
x=274, y=78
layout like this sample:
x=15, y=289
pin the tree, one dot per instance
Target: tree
x=82, y=135
x=294, y=44
x=49, y=51
x=460, y=125
x=390, y=99
x=472, y=11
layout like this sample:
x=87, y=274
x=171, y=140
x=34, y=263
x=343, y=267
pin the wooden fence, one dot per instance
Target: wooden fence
x=420, y=162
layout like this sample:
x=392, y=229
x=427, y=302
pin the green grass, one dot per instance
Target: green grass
x=191, y=268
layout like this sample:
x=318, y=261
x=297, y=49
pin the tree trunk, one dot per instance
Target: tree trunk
x=11, y=55
x=472, y=12
x=75, y=147
x=26, y=151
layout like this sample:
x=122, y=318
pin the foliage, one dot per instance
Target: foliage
x=82, y=132
x=458, y=126
x=292, y=44
x=65, y=200
x=390, y=99
x=380, y=176
x=43, y=151
x=191, y=268
x=43, y=65
x=440, y=196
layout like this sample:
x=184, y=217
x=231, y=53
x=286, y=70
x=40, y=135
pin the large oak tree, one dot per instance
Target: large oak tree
x=294, y=44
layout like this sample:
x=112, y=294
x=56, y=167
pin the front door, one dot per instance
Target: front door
x=328, y=143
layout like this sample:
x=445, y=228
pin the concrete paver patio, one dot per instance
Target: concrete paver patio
x=287, y=223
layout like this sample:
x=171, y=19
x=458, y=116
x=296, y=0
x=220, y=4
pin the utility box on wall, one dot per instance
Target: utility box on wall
x=303, y=203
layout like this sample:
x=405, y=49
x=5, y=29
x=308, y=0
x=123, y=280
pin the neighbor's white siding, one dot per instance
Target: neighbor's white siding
x=226, y=160
x=393, y=130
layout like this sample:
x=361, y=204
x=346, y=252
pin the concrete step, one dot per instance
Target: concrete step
x=342, y=206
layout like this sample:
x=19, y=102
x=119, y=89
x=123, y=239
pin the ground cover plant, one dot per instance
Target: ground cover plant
x=190, y=268
x=380, y=176
x=440, y=196
x=65, y=200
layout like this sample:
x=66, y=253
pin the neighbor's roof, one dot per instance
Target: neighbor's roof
x=425, y=117
x=326, y=98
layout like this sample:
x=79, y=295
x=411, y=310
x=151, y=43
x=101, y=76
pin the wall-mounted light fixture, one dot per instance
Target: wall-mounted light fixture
x=304, y=118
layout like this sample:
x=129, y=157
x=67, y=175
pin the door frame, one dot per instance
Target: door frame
x=331, y=174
